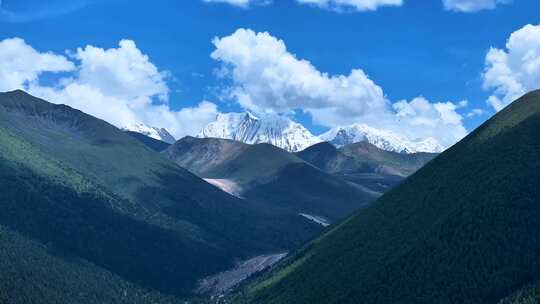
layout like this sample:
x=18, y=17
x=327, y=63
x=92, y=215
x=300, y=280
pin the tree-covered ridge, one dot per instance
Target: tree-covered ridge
x=463, y=229
x=46, y=202
x=92, y=202
x=529, y=294
x=59, y=245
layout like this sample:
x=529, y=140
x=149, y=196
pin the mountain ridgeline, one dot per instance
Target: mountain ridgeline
x=363, y=157
x=320, y=181
x=365, y=164
x=269, y=176
x=463, y=229
x=88, y=214
x=152, y=143
x=277, y=130
x=283, y=132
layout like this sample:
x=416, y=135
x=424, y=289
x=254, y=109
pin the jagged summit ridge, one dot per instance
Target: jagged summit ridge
x=274, y=129
x=383, y=139
x=281, y=131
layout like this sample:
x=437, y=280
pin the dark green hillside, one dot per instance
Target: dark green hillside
x=529, y=294
x=82, y=142
x=378, y=182
x=463, y=229
x=154, y=144
x=96, y=203
x=33, y=275
x=57, y=245
x=302, y=188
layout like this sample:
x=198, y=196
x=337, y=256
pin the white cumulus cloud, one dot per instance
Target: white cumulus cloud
x=420, y=118
x=471, y=6
x=20, y=64
x=359, y=5
x=269, y=78
x=266, y=77
x=120, y=85
x=515, y=70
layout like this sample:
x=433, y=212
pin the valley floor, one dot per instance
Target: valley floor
x=224, y=282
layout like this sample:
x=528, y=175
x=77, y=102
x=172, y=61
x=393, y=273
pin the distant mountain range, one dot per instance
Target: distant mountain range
x=320, y=181
x=282, y=132
x=383, y=139
x=462, y=229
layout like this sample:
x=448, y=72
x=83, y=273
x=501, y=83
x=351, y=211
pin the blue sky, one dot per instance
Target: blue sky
x=416, y=49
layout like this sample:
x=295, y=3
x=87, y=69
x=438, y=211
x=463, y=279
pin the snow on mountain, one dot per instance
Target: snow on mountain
x=289, y=135
x=277, y=130
x=383, y=139
x=156, y=133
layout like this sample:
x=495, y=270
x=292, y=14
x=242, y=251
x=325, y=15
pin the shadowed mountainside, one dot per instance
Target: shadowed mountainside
x=463, y=229
x=270, y=176
x=99, y=213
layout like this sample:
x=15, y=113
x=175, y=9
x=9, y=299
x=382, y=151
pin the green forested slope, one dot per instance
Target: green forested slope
x=61, y=246
x=88, y=200
x=463, y=229
x=529, y=294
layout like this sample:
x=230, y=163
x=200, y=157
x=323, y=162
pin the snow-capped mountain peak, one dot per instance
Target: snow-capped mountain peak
x=153, y=132
x=283, y=132
x=269, y=128
x=383, y=139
